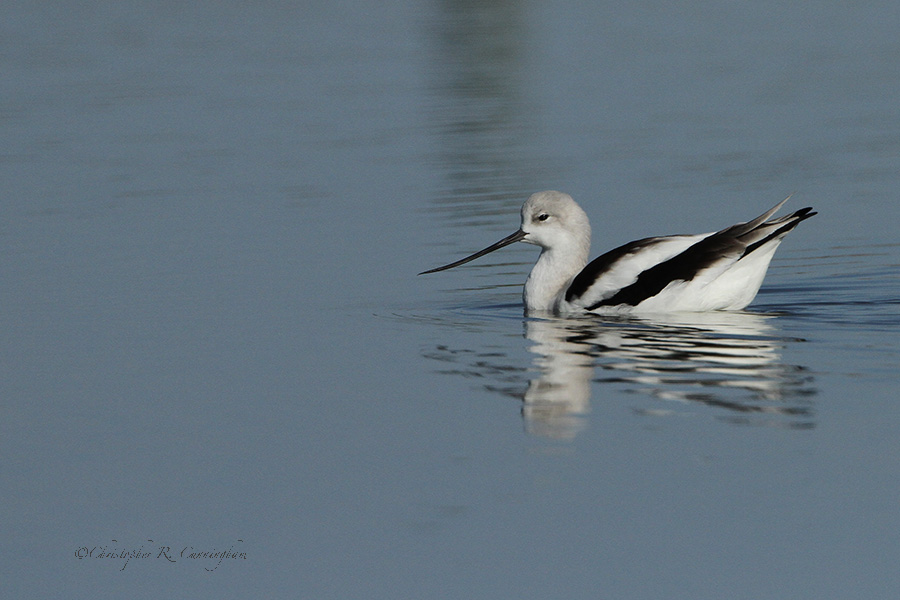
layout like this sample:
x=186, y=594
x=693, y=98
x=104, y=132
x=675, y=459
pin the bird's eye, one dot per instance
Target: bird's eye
x=543, y=217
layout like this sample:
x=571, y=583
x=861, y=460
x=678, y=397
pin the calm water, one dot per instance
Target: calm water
x=213, y=338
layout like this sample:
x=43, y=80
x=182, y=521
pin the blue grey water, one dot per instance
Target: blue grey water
x=213, y=339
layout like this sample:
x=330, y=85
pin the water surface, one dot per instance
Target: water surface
x=214, y=339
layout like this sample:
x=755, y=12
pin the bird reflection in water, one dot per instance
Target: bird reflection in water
x=725, y=360
x=730, y=362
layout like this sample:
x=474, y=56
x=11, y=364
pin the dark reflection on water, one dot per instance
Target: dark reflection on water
x=729, y=362
x=479, y=116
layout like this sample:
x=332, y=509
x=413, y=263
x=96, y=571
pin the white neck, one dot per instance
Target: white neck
x=550, y=278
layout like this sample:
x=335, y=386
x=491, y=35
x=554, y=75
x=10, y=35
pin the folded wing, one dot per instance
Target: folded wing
x=641, y=270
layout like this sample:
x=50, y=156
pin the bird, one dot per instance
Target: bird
x=721, y=270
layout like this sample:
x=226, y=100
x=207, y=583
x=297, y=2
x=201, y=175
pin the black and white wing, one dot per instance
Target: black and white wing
x=671, y=270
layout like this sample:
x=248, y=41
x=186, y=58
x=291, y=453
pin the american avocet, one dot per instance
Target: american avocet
x=708, y=271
